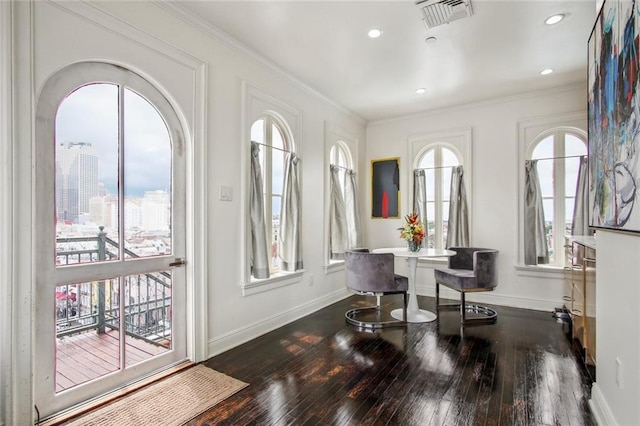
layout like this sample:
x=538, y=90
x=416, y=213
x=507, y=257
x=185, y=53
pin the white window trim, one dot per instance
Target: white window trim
x=460, y=142
x=335, y=135
x=281, y=279
x=255, y=104
x=8, y=364
x=529, y=132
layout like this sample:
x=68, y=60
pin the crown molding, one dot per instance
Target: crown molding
x=217, y=34
x=483, y=103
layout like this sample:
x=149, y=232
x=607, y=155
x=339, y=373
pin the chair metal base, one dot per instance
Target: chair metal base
x=351, y=314
x=487, y=315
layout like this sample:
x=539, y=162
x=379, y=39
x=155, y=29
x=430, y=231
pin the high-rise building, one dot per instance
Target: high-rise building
x=132, y=213
x=76, y=179
x=156, y=210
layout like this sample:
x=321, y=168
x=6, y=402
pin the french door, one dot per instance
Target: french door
x=110, y=295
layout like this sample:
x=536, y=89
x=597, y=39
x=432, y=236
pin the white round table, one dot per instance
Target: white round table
x=414, y=313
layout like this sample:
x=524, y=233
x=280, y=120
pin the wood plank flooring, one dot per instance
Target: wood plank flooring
x=89, y=355
x=318, y=370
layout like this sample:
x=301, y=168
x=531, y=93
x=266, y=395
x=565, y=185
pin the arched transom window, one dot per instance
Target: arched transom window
x=437, y=160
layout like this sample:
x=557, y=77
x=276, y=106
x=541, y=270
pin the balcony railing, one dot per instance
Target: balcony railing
x=96, y=305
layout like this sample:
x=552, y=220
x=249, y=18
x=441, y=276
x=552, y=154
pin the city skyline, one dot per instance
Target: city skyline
x=90, y=115
x=81, y=198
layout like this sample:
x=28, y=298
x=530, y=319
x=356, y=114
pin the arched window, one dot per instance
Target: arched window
x=558, y=153
x=344, y=223
x=438, y=160
x=272, y=243
x=275, y=142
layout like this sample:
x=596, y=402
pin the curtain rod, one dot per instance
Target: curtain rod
x=558, y=158
x=272, y=147
x=433, y=168
x=341, y=167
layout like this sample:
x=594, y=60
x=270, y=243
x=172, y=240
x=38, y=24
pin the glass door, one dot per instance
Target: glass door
x=110, y=299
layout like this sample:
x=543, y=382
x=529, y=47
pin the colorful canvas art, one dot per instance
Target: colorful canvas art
x=614, y=117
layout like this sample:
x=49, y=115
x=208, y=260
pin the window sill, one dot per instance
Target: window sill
x=278, y=280
x=539, y=271
x=334, y=266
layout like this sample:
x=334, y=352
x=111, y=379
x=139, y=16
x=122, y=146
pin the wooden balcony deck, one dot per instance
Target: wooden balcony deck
x=89, y=355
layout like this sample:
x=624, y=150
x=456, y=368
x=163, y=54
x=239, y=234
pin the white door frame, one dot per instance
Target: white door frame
x=47, y=275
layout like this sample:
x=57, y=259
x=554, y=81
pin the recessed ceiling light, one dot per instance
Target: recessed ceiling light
x=554, y=19
x=375, y=33
x=546, y=71
x=430, y=40
x=420, y=90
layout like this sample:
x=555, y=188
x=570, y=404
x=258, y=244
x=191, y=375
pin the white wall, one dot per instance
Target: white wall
x=494, y=184
x=617, y=328
x=202, y=73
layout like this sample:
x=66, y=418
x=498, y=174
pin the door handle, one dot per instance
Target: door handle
x=178, y=262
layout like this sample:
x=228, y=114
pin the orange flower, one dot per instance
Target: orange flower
x=412, y=229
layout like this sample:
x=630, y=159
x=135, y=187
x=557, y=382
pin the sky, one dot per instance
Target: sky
x=90, y=114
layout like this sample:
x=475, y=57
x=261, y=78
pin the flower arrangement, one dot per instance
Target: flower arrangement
x=412, y=231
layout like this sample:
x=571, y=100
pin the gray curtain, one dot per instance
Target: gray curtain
x=352, y=209
x=259, y=253
x=458, y=225
x=338, y=233
x=290, y=243
x=420, y=200
x=580, y=222
x=536, y=250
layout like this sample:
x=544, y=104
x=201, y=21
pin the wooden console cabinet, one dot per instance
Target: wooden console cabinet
x=580, y=292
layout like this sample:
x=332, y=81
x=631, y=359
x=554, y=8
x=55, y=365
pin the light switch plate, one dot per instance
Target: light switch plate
x=225, y=193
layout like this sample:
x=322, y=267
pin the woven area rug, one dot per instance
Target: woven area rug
x=171, y=401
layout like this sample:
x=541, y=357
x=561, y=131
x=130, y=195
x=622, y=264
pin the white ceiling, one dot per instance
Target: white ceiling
x=498, y=51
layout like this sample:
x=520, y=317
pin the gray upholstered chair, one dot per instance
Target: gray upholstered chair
x=471, y=269
x=372, y=274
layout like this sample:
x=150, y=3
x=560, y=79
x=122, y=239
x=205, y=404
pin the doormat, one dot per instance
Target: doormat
x=171, y=401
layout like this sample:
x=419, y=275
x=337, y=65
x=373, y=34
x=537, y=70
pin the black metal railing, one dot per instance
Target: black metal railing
x=96, y=305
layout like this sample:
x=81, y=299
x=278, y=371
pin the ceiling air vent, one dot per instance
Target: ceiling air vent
x=438, y=12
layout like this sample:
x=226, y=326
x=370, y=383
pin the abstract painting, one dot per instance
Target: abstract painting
x=385, y=188
x=614, y=117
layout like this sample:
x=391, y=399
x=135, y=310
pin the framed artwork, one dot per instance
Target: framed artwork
x=385, y=188
x=614, y=117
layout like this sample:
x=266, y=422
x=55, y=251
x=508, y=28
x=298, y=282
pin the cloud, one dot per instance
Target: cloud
x=90, y=114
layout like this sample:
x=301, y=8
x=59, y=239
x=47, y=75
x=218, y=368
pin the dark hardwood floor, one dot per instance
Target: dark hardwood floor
x=318, y=370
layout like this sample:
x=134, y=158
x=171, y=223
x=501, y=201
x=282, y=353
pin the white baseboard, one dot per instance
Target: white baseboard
x=242, y=335
x=492, y=298
x=600, y=408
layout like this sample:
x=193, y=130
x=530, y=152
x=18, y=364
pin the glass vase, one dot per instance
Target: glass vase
x=413, y=246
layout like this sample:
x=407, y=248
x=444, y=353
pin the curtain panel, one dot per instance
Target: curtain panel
x=290, y=243
x=458, y=224
x=580, y=222
x=420, y=201
x=338, y=228
x=259, y=252
x=536, y=250
x=353, y=209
